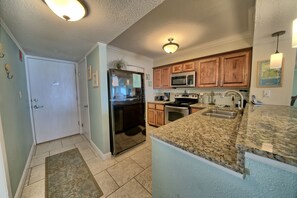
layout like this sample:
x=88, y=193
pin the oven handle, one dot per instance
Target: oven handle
x=174, y=107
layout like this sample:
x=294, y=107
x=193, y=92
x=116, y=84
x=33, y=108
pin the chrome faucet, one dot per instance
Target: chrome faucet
x=236, y=92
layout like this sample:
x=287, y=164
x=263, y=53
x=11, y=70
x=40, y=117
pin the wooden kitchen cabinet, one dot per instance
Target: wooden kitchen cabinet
x=194, y=110
x=208, y=72
x=185, y=67
x=155, y=114
x=157, y=78
x=235, y=69
x=162, y=78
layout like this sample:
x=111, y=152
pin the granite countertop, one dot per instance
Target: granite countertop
x=209, y=137
x=160, y=102
x=201, y=105
x=269, y=131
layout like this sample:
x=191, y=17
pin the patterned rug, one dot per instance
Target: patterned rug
x=67, y=175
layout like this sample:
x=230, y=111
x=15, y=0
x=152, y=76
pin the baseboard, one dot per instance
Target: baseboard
x=18, y=193
x=99, y=152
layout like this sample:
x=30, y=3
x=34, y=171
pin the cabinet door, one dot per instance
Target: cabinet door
x=157, y=78
x=166, y=72
x=151, y=117
x=208, y=72
x=235, y=70
x=159, y=118
x=194, y=110
x=177, y=68
x=190, y=66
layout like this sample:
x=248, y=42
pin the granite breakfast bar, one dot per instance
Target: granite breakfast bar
x=194, y=156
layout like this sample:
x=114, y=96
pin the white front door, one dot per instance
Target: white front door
x=53, y=98
x=83, y=95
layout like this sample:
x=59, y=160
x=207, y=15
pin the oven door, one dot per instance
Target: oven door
x=173, y=113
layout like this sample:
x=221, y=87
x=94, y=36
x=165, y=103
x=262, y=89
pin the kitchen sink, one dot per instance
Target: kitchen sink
x=220, y=113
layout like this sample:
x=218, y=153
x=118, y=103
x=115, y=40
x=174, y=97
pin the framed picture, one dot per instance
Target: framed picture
x=95, y=79
x=268, y=77
x=89, y=72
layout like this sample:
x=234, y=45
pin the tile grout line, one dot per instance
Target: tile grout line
x=142, y=186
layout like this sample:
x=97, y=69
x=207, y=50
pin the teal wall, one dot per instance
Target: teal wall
x=176, y=174
x=98, y=99
x=15, y=111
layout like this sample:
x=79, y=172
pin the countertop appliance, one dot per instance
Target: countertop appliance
x=185, y=79
x=126, y=109
x=180, y=107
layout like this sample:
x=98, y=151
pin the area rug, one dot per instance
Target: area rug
x=67, y=175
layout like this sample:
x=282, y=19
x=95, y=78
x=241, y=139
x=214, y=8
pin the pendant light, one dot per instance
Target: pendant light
x=170, y=47
x=294, y=34
x=69, y=10
x=276, y=59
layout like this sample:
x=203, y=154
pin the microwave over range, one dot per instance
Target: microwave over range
x=186, y=79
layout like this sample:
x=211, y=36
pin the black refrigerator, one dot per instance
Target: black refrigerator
x=126, y=109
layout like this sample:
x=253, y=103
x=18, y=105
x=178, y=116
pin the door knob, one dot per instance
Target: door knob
x=37, y=107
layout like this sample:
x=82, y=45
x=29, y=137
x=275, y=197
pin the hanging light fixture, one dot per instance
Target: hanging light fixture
x=170, y=47
x=69, y=10
x=276, y=59
x=294, y=34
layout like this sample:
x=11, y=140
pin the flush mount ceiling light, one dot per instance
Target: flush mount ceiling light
x=69, y=10
x=170, y=47
x=294, y=34
x=276, y=59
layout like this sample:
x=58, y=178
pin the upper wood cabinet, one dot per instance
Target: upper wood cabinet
x=157, y=78
x=185, y=67
x=235, y=69
x=208, y=72
x=162, y=77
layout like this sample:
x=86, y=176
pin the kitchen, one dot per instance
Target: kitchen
x=261, y=50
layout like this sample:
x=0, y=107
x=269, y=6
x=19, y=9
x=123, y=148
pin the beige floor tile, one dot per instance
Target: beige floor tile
x=106, y=183
x=132, y=190
x=125, y=155
x=42, y=148
x=124, y=171
x=28, y=177
x=145, y=179
x=36, y=190
x=61, y=150
x=72, y=140
x=87, y=154
x=39, y=159
x=37, y=173
x=142, y=146
x=97, y=165
x=83, y=145
x=143, y=158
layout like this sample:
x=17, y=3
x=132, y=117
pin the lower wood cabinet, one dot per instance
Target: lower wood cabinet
x=155, y=114
x=194, y=110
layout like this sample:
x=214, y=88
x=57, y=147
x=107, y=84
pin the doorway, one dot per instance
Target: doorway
x=84, y=101
x=53, y=98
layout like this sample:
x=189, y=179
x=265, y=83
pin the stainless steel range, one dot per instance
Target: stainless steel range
x=180, y=107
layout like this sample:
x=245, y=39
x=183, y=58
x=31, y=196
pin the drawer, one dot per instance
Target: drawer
x=159, y=107
x=193, y=110
x=151, y=106
x=177, y=68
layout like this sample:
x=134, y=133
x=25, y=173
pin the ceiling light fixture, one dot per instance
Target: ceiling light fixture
x=276, y=59
x=170, y=47
x=69, y=10
x=294, y=34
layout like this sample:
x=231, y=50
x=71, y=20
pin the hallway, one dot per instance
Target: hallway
x=127, y=175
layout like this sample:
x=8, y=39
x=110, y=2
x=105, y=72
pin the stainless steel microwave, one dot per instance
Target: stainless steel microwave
x=186, y=79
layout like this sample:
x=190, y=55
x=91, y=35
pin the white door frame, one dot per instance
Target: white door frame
x=5, y=188
x=84, y=60
x=29, y=89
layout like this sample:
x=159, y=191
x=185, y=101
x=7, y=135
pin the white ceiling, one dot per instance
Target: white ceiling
x=41, y=33
x=191, y=23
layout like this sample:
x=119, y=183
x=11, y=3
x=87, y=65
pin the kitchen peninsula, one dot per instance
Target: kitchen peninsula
x=253, y=155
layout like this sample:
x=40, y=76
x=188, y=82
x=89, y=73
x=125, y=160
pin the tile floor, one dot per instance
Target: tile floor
x=127, y=175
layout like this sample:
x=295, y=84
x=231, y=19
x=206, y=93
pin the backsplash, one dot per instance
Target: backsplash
x=219, y=100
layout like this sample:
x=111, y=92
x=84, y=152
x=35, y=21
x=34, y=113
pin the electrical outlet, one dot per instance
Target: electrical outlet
x=266, y=93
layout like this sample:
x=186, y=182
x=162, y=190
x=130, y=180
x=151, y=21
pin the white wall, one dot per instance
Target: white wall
x=273, y=16
x=133, y=59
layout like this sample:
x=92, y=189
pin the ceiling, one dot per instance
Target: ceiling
x=41, y=33
x=140, y=26
x=191, y=23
